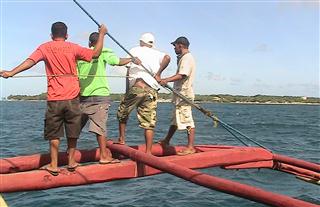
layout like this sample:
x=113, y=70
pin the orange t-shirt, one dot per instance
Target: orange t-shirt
x=60, y=59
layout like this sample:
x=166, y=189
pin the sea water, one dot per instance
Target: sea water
x=292, y=130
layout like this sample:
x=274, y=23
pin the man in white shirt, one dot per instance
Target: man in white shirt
x=143, y=89
x=183, y=83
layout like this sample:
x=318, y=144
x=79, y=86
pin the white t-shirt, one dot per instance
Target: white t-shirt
x=187, y=67
x=151, y=59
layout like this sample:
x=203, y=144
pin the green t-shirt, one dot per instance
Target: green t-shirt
x=96, y=86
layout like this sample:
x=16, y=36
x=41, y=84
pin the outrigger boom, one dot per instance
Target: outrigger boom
x=227, y=157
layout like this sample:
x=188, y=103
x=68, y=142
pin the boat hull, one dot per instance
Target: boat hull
x=142, y=164
x=207, y=156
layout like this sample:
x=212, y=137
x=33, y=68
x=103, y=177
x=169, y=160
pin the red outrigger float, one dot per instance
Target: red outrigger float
x=20, y=174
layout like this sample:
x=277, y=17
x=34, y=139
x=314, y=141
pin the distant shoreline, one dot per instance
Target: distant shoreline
x=214, y=98
x=253, y=103
x=197, y=102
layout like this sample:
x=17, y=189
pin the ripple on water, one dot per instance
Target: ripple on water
x=288, y=130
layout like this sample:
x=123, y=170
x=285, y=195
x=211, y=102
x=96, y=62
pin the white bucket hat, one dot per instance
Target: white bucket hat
x=147, y=38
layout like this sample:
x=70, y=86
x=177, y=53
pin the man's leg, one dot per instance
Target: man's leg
x=185, y=121
x=148, y=135
x=54, y=150
x=166, y=140
x=53, y=130
x=104, y=155
x=72, y=122
x=172, y=129
x=122, y=133
x=98, y=116
x=72, y=144
x=191, y=134
x=84, y=120
x=127, y=104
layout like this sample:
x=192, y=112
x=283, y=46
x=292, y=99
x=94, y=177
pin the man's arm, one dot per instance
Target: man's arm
x=173, y=78
x=98, y=48
x=25, y=65
x=125, y=61
x=164, y=63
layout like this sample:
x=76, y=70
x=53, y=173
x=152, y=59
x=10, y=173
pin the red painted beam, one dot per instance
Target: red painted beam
x=95, y=173
x=250, y=165
x=298, y=171
x=296, y=162
x=31, y=162
x=212, y=182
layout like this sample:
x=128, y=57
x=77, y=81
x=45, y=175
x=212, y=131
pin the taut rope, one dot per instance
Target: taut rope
x=71, y=75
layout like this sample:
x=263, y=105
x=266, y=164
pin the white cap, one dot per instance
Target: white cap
x=147, y=38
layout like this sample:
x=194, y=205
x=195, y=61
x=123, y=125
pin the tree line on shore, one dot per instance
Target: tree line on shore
x=219, y=98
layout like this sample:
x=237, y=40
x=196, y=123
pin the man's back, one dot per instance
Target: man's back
x=92, y=75
x=151, y=59
x=60, y=60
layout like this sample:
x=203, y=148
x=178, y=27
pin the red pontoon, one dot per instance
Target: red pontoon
x=20, y=174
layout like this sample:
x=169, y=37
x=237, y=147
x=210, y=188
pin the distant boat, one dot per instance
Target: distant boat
x=20, y=174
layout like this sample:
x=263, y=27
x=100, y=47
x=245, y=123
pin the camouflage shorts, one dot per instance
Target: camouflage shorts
x=145, y=101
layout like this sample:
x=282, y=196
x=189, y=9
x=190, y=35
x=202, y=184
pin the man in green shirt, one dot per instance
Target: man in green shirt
x=95, y=91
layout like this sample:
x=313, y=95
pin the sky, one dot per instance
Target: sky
x=240, y=47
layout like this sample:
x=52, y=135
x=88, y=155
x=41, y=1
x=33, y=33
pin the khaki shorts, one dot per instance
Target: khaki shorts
x=97, y=115
x=145, y=101
x=62, y=115
x=182, y=117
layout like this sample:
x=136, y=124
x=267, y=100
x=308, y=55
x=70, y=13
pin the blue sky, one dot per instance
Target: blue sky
x=241, y=47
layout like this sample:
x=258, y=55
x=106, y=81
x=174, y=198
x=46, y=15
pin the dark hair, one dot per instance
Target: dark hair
x=59, y=29
x=93, y=38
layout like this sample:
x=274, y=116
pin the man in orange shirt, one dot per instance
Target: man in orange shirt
x=63, y=108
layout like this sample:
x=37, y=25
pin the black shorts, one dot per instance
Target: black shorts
x=62, y=115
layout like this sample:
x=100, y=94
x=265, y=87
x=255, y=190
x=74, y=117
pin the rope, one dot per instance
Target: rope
x=71, y=75
x=231, y=132
x=226, y=126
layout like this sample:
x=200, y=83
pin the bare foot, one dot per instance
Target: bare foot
x=51, y=170
x=187, y=151
x=72, y=168
x=120, y=141
x=110, y=161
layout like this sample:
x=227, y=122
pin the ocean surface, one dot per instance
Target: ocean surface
x=292, y=130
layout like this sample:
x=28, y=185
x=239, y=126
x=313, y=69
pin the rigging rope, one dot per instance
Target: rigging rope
x=226, y=126
x=71, y=75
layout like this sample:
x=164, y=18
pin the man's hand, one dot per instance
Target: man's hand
x=103, y=29
x=157, y=77
x=6, y=74
x=136, y=61
x=163, y=82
